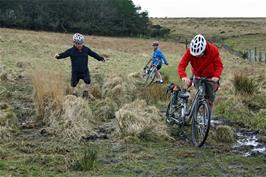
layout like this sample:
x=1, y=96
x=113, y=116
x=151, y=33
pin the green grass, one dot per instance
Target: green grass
x=246, y=42
x=30, y=153
x=224, y=27
x=133, y=159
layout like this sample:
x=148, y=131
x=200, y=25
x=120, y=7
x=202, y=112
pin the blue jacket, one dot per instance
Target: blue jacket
x=158, y=58
x=79, y=59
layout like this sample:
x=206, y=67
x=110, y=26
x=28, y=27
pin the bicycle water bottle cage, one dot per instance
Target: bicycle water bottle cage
x=183, y=93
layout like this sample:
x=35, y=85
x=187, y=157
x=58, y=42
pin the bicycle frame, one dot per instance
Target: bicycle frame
x=150, y=68
x=199, y=95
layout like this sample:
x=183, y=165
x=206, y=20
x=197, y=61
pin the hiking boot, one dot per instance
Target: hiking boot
x=88, y=95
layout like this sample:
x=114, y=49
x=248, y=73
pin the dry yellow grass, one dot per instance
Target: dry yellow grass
x=224, y=27
x=137, y=117
x=64, y=116
x=8, y=122
x=49, y=88
x=73, y=121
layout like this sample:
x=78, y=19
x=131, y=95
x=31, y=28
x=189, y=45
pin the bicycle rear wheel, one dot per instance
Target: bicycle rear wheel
x=174, y=112
x=201, y=123
x=150, y=77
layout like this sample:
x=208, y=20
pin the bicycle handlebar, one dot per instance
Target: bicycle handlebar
x=204, y=79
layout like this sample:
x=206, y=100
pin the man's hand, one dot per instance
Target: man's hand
x=104, y=60
x=166, y=63
x=187, y=81
x=56, y=55
x=215, y=79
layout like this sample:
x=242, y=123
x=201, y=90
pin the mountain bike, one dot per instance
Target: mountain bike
x=149, y=74
x=179, y=112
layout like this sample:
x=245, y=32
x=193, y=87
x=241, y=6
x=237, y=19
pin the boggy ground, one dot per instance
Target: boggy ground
x=31, y=144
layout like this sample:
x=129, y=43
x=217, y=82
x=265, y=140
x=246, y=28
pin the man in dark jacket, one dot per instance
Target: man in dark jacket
x=79, y=62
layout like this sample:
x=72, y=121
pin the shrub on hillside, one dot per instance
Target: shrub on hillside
x=244, y=85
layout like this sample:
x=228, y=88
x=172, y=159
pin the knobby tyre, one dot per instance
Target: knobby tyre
x=201, y=123
x=173, y=114
x=150, y=77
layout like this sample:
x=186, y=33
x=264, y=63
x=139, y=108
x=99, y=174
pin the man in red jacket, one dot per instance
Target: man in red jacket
x=205, y=61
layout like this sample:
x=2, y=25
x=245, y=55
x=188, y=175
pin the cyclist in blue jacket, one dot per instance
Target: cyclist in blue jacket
x=157, y=59
x=79, y=63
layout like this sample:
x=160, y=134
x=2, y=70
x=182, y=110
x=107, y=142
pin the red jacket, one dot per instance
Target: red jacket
x=209, y=65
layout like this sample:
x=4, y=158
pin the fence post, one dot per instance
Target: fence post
x=250, y=55
x=186, y=44
x=260, y=57
x=245, y=54
x=255, y=54
x=265, y=58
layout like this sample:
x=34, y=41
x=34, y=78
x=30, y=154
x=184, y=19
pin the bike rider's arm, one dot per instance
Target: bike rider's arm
x=218, y=65
x=95, y=55
x=63, y=54
x=162, y=57
x=148, y=62
x=181, y=69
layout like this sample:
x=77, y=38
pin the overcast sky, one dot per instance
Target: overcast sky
x=204, y=8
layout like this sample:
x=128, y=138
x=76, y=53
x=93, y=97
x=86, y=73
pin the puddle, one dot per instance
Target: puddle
x=247, y=142
x=248, y=145
x=215, y=123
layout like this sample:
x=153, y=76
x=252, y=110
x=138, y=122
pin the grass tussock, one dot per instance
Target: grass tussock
x=87, y=161
x=120, y=89
x=96, y=91
x=154, y=93
x=247, y=105
x=68, y=117
x=134, y=77
x=224, y=134
x=8, y=122
x=136, y=118
x=49, y=89
x=74, y=120
x=244, y=85
x=105, y=109
x=110, y=84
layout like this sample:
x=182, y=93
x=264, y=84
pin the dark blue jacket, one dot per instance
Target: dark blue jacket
x=79, y=59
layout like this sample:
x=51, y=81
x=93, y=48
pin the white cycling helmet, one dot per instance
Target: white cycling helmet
x=78, y=38
x=198, y=45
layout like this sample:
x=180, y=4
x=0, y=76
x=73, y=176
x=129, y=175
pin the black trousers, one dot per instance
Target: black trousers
x=76, y=76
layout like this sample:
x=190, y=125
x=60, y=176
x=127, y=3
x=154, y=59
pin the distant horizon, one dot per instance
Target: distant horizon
x=203, y=8
x=210, y=17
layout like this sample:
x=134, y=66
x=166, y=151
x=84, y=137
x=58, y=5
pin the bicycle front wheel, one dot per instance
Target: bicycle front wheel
x=201, y=123
x=150, y=77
